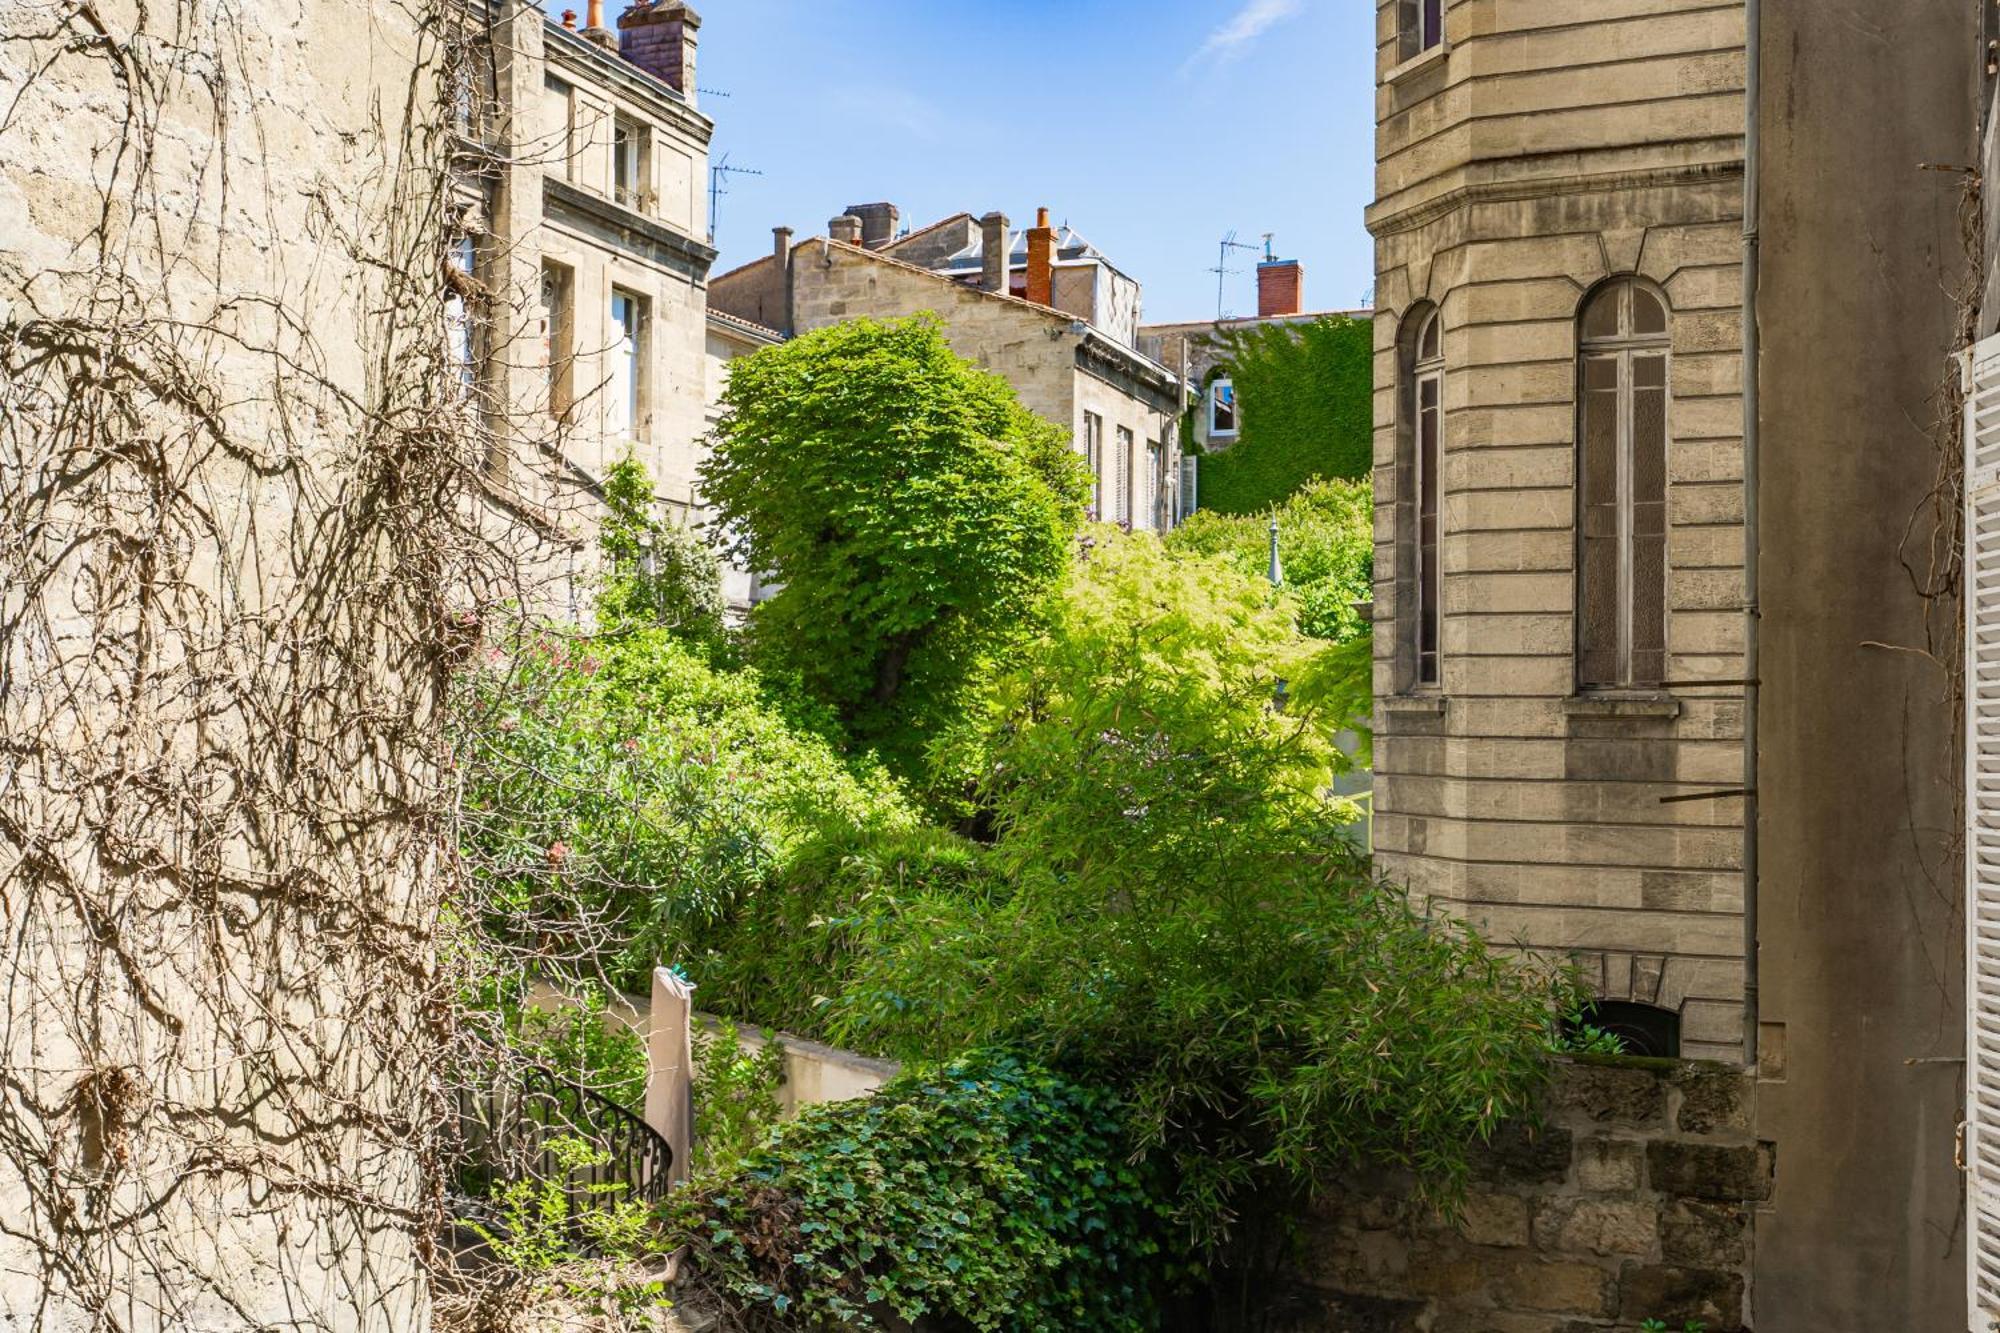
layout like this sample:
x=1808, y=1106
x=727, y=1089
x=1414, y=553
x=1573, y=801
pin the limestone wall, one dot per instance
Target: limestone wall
x=231, y=555
x=1635, y=1200
x=1547, y=146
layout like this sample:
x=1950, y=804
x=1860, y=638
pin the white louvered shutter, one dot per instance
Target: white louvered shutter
x=1982, y=811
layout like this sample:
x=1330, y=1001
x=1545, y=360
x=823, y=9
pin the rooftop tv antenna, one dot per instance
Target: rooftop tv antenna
x=718, y=186
x=1222, y=269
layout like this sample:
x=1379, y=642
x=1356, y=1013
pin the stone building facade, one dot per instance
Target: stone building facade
x=586, y=209
x=1639, y=587
x=1063, y=363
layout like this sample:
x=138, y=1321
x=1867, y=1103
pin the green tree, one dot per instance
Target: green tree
x=1307, y=392
x=915, y=513
x=656, y=573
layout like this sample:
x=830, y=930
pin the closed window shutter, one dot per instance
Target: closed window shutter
x=1982, y=805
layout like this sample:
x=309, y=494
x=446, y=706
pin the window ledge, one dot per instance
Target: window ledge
x=1652, y=705
x=1413, y=705
x=1420, y=61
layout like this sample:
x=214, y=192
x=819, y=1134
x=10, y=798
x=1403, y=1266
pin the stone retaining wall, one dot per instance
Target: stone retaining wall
x=1634, y=1200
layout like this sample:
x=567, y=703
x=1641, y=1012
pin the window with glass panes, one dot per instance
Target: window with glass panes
x=1622, y=487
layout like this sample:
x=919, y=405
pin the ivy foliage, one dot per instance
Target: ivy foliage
x=915, y=513
x=1326, y=548
x=1308, y=405
x=620, y=791
x=1171, y=906
x=984, y=1194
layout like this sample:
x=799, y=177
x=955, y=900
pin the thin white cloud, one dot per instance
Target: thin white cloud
x=1256, y=18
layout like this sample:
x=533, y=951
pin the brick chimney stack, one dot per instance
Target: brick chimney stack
x=846, y=229
x=995, y=246
x=1281, y=288
x=659, y=37
x=1042, y=260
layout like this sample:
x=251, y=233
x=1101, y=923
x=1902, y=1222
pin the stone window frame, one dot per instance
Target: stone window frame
x=1421, y=365
x=1623, y=350
x=563, y=138
x=1128, y=441
x=557, y=296
x=631, y=155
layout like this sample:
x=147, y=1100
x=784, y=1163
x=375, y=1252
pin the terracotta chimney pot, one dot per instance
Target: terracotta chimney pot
x=1042, y=260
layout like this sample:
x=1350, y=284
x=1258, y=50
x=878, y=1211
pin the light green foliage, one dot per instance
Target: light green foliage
x=1308, y=411
x=622, y=790
x=1659, y=1326
x=683, y=590
x=735, y=1096
x=916, y=514
x=1172, y=908
x=577, y=1040
x=565, y=1218
x=985, y=1195
x=1326, y=543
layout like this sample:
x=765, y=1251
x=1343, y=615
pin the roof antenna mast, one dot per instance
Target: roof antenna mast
x=1222, y=269
x=718, y=185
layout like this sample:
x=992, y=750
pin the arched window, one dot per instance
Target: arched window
x=1622, y=487
x=1421, y=486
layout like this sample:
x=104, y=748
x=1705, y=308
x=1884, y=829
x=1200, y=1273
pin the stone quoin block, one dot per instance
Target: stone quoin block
x=1610, y=1166
x=1712, y=1099
x=1596, y=1226
x=1551, y=1287
x=1707, y=1235
x=1676, y=1295
x=1732, y=1173
x=1609, y=1093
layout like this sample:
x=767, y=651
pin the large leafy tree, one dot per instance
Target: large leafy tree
x=917, y=516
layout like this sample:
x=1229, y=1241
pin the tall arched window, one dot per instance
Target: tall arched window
x=1622, y=487
x=1421, y=485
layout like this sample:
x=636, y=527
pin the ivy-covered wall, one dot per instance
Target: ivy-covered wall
x=1307, y=395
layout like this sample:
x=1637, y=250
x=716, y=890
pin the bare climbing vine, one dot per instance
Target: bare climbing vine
x=245, y=541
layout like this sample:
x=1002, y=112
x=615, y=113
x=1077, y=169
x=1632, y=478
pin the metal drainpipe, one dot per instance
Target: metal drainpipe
x=1752, y=163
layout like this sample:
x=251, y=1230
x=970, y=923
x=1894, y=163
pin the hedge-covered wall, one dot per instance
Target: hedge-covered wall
x=1307, y=395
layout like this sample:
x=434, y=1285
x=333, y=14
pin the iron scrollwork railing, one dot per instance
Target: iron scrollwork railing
x=509, y=1134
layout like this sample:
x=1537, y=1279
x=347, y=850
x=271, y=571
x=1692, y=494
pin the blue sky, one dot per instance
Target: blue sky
x=1154, y=126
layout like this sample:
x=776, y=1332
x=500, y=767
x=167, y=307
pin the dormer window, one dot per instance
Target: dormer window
x=1421, y=26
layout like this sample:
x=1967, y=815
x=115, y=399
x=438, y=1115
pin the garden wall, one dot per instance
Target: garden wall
x=1634, y=1201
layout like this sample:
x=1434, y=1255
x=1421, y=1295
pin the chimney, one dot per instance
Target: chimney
x=781, y=252
x=569, y=20
x=995, y=245
x=878, y=223
x=659, y=37
x=1281, y=288
x=1042, y=260
x=593, y=26
x=846, y=229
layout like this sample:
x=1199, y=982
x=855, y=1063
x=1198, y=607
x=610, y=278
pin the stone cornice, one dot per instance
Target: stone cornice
x=1392, y=221
x=619, y=228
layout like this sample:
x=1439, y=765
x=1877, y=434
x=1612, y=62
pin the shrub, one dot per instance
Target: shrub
x=620, y=791
x=915, y=513
x=1308, y=411
x=735, y=1096
x=985, y=1193
x=1326, y=544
